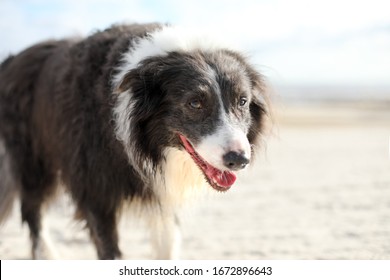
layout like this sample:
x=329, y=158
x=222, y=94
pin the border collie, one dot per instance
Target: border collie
x=135, y=114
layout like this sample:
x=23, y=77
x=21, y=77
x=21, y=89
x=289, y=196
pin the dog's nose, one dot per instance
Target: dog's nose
x=235, y=160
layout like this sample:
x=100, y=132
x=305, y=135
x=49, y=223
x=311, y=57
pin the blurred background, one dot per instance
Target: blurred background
x=320, y=189
x=301, y=44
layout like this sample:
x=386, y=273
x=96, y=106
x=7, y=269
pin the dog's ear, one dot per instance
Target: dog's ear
x=257, y=107
x=144, y=85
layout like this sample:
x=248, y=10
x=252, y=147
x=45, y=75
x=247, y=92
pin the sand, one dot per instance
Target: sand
x=319, y=190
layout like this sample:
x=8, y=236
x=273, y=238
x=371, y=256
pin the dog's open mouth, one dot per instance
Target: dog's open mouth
x=218, y=179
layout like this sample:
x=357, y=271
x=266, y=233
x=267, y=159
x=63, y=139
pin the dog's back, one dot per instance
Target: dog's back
x=18, y=78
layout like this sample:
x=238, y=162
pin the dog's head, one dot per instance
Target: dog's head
x=207, y=102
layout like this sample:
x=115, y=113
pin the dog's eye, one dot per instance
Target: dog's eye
x=242, y=101
x=195, y=104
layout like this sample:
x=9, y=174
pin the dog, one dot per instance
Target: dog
x=143, y=114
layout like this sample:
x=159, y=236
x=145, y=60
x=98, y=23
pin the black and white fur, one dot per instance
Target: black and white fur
x=106, y=116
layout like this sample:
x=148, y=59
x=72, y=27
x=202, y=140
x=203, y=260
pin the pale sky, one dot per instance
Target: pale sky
x=331, y=42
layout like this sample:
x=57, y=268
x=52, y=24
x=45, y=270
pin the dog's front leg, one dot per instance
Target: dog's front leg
x=166, y=237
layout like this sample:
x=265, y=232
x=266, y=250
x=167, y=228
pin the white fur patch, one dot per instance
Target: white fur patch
x=166, y=237
x=122, y=115
x=181, y=180
x=163, y=41
x=45, y=249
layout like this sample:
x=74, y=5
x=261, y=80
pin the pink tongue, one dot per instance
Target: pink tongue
x=222, y=178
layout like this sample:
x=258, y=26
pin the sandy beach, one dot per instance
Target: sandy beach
x=320, y=189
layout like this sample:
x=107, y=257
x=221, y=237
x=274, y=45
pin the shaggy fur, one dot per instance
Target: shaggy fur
x=103, y=114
